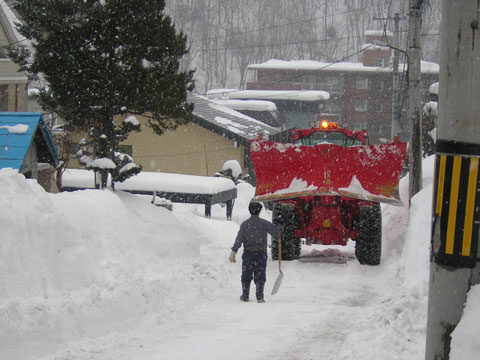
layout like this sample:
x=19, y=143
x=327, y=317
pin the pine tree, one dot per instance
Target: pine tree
x=104, y=58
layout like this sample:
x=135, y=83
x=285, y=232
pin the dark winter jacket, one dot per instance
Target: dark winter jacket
x=253, y=234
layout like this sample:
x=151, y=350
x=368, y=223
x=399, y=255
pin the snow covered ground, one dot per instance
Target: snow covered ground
x=102, y=275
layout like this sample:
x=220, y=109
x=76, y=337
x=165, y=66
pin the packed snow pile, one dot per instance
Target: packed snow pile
x=85, y=263
x=104, y=275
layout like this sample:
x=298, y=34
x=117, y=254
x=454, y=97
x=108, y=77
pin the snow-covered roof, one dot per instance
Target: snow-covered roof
x=7, y=14
x=313, y=65
x=374, y=47
x=17, y=131
x=227, y=122
x=297, y=95
x=378, y=33
x=219, y=93
x=252, y=105
x=152, y=181
x=429, y=67
x=426, y=67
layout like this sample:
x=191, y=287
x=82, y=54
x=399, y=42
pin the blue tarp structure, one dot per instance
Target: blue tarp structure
x=17, y=131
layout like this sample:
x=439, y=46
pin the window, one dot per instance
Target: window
x=126, y=149
x=333, y=106
x=329, y=137
x=378, y=107
x=380, y=62
x=332, y=84
x=361, y=105
x=360, y=126
x=361, y=83
x=309, y=78
x=309, y=86
x=310, y=82
x=3, y=97
x=378, y=85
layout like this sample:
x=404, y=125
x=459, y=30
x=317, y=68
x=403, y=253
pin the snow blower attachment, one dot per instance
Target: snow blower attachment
x=326, y=184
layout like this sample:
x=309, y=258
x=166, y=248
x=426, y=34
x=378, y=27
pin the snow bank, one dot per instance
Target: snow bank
x=71, y=268
x=400, y=318
x=416, y=250
x=465, y=345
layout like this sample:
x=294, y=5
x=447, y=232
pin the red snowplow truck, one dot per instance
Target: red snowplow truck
x=326, y=185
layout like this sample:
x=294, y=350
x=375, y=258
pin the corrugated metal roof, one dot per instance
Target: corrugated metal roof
x=17, y=131
x=227, y=122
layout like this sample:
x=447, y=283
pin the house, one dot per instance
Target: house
x=13, y=83
x=360, y=93
x=215, y=134
x=263, y=110
x=26, y=145
x=295, y=108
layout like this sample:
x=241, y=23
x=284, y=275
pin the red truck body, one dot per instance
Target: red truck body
x=326, y=184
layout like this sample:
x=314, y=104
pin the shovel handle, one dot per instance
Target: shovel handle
x=279, y=252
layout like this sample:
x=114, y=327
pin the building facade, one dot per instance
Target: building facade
x=214, y=135
x=13, y=83
x=360, y=93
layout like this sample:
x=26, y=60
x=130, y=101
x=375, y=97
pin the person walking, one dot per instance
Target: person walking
x=253, y=235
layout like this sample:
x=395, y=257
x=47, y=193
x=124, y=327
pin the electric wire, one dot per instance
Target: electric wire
x=291, y=23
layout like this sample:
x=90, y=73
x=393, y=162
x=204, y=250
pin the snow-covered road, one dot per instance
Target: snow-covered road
x=319, y=308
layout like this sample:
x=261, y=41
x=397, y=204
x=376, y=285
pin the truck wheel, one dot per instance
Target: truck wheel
x=368, y=247
x=284, y=215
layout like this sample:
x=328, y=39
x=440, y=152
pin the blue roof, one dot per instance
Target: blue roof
x=17, y=131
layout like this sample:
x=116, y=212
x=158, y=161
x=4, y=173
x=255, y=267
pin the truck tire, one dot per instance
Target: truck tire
x=368, y=247
x=284, y=216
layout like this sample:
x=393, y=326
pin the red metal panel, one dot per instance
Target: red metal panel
x=362, y=172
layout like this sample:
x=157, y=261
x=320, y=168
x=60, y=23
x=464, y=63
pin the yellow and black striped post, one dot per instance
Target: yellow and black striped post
x=454, y=268
x=456, y=205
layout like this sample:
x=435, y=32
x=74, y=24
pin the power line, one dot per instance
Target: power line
x=289, y=23
x=259, y=46
x=314, y=69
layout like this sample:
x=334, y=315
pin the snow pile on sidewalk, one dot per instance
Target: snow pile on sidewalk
x=86, y=263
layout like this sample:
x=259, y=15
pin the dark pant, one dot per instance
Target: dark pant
x=254, y=265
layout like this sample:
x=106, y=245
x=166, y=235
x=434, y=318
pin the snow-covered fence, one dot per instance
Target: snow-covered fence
x=178, y=188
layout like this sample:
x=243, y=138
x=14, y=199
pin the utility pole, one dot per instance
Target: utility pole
x=454, y=262
x=414, y=96
x=395, y=80
x=395, y=130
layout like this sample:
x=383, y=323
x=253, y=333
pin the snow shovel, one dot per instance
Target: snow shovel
x=279, y=279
